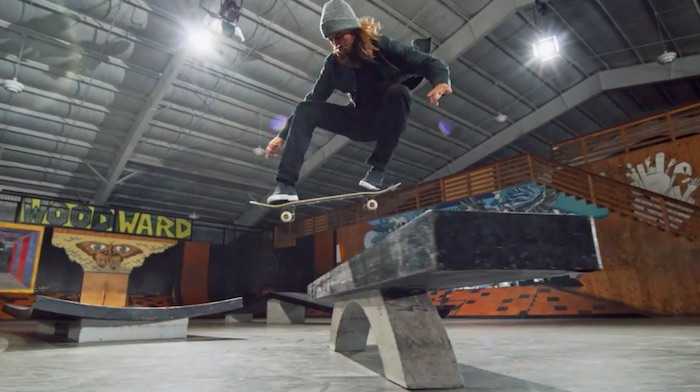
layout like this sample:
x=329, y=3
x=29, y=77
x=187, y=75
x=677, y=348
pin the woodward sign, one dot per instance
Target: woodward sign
x=80, y=216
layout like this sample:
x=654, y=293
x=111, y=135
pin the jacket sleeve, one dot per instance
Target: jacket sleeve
x=323, y=88
x=417, y=62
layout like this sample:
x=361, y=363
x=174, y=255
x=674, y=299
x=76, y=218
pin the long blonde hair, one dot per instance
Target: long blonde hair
x=365, y=46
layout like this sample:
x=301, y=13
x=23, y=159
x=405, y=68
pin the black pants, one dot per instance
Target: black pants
x=382, y=123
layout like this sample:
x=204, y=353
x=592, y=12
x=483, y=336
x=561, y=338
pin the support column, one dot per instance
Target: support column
x=92, y=330
x=413, y=344
x=280, y=312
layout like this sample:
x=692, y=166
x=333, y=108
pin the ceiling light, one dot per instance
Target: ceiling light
x=667, y=57
x=200, y=40
x=501, y=118
x=546, y=49
x=13, y=85
x=193, y=216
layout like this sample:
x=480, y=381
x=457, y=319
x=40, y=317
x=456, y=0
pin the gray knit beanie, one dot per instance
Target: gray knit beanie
x=337, y=15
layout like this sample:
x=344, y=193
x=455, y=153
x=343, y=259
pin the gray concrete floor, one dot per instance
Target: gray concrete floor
x=494, y=355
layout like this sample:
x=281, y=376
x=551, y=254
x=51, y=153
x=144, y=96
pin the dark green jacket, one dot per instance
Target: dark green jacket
x=398, y=63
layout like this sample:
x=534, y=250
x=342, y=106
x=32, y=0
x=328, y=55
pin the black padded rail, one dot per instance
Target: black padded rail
x=447, y=249
x=302, y=299
x=53, y=308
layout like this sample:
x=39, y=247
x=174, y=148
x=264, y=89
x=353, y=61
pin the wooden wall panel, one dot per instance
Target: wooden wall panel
x=646, y=269
x=684, y=150
x=105, y=289
x=194, y=278
x=324, y=252
x=351, y=239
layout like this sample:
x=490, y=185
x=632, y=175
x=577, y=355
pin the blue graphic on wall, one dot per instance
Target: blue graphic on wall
x=528, y=197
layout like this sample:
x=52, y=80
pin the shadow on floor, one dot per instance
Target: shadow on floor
x=476, y=379
x=32, y=341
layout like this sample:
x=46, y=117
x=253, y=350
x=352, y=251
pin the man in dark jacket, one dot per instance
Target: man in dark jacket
x=375, y=71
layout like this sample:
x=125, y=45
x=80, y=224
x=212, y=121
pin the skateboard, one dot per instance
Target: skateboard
x=287, y=214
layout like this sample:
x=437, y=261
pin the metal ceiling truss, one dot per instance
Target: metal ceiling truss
x=603, y=81
x=150, y=74
x=470, y=31
x=579, y=69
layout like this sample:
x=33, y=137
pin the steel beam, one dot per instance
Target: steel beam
x=603, y=81
x=478, y=27
x=141, y=125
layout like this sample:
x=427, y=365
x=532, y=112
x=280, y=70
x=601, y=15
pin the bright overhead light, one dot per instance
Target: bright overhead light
x=501, y=118
x=13, y=85
x=667, y=57
x=200, y=40
x=546, y=49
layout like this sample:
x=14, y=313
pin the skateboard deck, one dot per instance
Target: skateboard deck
x=287, y=208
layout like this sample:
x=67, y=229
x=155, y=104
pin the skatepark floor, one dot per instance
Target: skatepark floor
x=591, y=355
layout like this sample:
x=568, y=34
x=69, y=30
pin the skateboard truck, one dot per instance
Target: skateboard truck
x=288, y=216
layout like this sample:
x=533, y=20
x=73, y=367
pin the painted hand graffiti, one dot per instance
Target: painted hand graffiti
x=673, y=179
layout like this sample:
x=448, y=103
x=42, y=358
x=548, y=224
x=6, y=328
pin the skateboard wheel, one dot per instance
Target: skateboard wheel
x=287, y=216
x=371, y=204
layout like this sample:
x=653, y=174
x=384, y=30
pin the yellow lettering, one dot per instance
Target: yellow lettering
x=128, y=221
x=145, y=225
x=33, y=211
x=69, y=208
x=183, y=228
x=164, y=227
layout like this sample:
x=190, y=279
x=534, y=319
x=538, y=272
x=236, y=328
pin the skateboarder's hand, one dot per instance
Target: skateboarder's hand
x=274, y=146
x=437, y=92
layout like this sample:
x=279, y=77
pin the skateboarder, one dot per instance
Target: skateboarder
x=374, y=71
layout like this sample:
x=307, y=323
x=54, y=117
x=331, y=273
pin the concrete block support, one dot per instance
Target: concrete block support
x=413, y=344
x=281, y=312
x=236, y=318
x=92, y=331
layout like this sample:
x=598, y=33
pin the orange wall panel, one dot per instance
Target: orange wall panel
x=526, y=301
x=104, y=289
x=351, y=239
x=684, y=150
x=324, y=252
x=194, y=280
x=646, y=269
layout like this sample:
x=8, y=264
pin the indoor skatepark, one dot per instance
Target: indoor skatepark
x=543, y=236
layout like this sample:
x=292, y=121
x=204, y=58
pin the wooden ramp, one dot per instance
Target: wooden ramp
x=84, y=323
x=59, y=309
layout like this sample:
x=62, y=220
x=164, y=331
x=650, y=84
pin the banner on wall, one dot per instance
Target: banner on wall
x=81, y=216
x=107, y=252
x=20, y=247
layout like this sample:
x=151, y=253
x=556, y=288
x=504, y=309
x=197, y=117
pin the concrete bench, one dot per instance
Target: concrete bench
x=85, y=323
x=290, y=307
x=385, y=287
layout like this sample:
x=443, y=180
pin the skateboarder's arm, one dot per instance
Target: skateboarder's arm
x=323, y=88
x=415, y=61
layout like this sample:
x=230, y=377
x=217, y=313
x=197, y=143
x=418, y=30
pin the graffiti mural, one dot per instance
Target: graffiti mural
x=105, y=252
x=673, y=179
